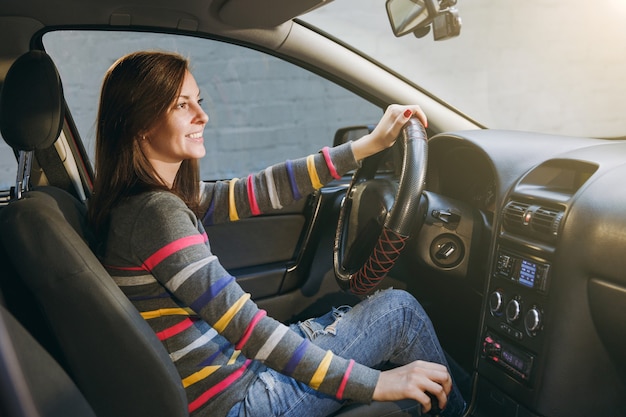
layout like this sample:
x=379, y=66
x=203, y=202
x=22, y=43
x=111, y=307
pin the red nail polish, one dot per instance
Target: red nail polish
x=408, y=113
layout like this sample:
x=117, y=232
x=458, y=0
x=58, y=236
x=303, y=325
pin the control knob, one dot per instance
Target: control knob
x=532, y=320
x=513, y=310
x=496, y=302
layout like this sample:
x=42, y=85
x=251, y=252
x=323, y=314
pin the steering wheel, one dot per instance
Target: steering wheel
x=378, y=215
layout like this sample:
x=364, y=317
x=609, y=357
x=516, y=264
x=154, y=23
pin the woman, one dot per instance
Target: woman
x=232, y=358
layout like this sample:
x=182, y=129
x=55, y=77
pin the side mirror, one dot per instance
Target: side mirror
x=388, y=159
x=346, y=134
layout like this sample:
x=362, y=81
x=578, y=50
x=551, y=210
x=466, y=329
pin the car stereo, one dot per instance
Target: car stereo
x=505, y=355
x=523, y=271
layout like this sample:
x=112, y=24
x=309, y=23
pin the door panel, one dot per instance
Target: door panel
x=285, y=260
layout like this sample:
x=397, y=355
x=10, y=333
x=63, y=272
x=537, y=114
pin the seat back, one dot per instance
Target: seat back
x=32, y=382
x=108, y=349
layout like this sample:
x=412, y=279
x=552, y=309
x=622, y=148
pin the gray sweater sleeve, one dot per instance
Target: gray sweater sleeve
x=274, y=187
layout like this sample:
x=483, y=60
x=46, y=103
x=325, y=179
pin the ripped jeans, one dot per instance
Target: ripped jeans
x=388, y=328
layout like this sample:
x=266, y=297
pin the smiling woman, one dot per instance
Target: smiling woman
x=178, y=136
x=146, y=212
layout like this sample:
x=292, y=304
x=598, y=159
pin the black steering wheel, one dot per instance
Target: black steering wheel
x=378, y=214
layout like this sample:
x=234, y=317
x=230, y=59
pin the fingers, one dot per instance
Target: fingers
x=416, y=380
x=437, y=383
x=405, y=112
x=440, y=374
x=387, y=130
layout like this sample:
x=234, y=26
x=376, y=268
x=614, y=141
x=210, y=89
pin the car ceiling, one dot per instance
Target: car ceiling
x=265, y=20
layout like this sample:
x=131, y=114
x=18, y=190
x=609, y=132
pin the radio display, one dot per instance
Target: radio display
x=527, y=273
x=514, y=360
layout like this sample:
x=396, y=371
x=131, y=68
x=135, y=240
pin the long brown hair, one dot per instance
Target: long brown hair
x=138, y=90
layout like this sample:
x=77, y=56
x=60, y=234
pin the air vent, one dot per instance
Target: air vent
x=514, y=213
x=547, y=221
x=532, y=220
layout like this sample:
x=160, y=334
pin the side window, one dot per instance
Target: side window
x=8, y=166
x=262, y=109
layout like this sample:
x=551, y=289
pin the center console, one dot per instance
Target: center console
x=516, y=316
x=516, y=312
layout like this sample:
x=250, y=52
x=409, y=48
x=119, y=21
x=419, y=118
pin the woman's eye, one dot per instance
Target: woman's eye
x=200, y=101
x=181, y=105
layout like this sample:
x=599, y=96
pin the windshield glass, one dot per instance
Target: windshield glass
x=554, y=67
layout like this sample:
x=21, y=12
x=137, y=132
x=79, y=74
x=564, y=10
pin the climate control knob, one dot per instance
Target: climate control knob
x=532, y=320
x=513, y=310
x=496, y=303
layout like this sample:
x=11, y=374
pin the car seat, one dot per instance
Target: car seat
x=108, y=348
x=31, y=382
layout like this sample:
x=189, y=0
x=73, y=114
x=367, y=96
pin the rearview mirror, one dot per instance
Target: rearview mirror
x=417, y=17
x=406, y=16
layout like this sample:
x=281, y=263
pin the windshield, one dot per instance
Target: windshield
x=555, y=67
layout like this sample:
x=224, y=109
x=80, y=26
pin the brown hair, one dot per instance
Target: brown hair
x=138, y=90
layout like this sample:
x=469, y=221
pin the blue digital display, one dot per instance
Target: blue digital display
x=527, y=273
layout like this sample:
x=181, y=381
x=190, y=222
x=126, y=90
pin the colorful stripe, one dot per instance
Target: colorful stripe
x=292, y=180
x=200, y=375
x=322, y=369
x=254, y=207
x=220, y=351
x=201, y=341
x=211, y=292
x=221, y=324
x=315, y=179
x=344, y=380
x=246, y=335
x=271, y=189
x=232, y=208
x=147, y=315
x=173, y=247
x=329, y=163
x=175, y=329
x=297, y=356
x=271, y=342
x=208, y=216
x=216, y=389
x=181, y=277
x=233, y=357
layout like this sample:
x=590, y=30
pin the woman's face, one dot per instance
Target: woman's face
x=179, y=135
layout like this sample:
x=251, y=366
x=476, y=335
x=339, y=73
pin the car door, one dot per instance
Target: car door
x=262, y=110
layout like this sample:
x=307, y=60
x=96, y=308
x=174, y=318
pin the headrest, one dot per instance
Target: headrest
x=31, y=104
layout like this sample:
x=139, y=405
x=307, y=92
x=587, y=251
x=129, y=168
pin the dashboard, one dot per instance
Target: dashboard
x=553, y=297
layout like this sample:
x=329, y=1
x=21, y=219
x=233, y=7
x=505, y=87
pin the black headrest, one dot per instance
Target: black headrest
x=31, y=104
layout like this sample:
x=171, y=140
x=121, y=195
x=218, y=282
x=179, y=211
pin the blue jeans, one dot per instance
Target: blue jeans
x=388, y=328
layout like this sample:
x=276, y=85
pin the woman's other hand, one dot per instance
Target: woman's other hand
x=414, y=380
x=387, y=130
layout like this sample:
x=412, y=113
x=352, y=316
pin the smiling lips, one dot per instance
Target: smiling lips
x=195, y=136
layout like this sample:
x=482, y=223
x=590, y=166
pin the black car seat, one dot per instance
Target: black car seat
x=31, y=382
x=109, y=350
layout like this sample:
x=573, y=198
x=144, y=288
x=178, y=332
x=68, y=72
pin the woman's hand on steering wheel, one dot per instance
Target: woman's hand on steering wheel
x=387, y=130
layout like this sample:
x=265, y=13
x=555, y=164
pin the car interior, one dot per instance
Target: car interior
x=515, y=239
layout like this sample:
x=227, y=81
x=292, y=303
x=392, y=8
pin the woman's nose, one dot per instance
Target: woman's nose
x=201, y=115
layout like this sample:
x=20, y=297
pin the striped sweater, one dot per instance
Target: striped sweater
x=159, y=254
